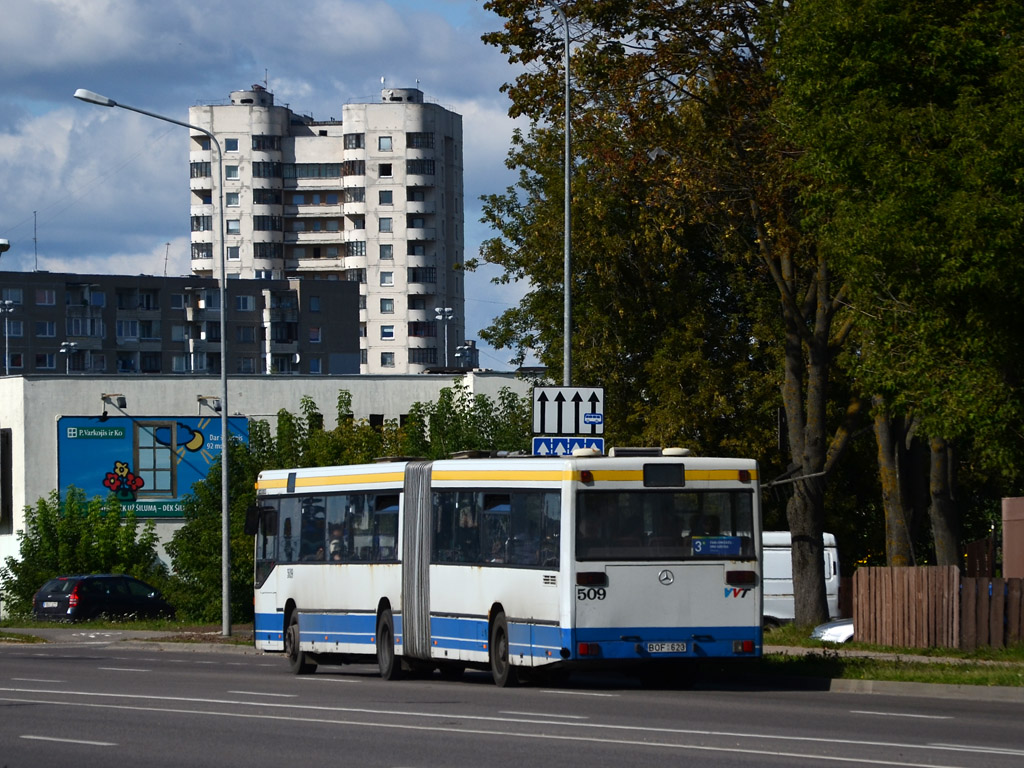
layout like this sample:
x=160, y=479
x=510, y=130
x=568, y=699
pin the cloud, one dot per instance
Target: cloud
x=97, y=190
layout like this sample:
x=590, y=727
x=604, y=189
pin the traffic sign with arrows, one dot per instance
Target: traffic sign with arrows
x=568, y=410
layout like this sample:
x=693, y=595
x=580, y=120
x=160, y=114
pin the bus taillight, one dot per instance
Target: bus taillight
x=592, y=579
x=588, y=649
x=742, y=646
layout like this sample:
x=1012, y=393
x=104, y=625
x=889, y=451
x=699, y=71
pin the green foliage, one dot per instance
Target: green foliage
x=461, y=421
x=77, y=536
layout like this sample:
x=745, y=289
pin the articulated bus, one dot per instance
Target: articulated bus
x=644, y=559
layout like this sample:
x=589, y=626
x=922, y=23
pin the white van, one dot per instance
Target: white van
x=778, y=576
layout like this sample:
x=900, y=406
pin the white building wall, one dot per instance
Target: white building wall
x=30, y=407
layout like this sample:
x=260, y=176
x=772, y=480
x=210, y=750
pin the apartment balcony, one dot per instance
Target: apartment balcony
x=421, y=206
x=279, y=315
x=284, y=347
x=355, y=209
x=421, y=233
x=83, y=310
x=323, y=237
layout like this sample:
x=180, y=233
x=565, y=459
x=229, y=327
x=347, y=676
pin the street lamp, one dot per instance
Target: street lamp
x=67, y=348
x=444, y=315
x=6, y=307
x=567, y=205
x=103, y=101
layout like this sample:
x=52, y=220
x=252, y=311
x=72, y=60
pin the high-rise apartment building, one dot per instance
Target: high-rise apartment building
x=374, y=198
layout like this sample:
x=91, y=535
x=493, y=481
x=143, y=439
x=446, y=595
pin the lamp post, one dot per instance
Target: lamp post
x=6, y=306
x=444, y=315
x=67, y=348
x=567, y=205
x=103, y=101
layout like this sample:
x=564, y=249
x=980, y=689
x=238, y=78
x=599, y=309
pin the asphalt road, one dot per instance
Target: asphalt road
x=95, y=700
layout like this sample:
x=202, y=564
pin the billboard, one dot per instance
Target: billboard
x=148, y=463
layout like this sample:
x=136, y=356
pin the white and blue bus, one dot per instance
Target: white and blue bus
x=645, y=558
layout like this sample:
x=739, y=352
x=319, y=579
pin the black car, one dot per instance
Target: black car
x=75, y=598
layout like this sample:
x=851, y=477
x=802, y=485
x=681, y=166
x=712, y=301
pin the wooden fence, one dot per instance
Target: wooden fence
x=934, y=607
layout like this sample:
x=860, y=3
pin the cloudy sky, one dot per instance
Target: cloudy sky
x=107, y=190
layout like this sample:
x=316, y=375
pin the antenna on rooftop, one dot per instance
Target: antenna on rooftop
x=166, y=251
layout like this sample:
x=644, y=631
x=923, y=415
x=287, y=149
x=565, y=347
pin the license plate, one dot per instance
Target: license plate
x=666, y=647
x=50, y=604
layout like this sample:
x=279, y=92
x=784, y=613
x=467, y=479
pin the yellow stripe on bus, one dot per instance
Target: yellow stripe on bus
x=305, y=482
x=543, y=475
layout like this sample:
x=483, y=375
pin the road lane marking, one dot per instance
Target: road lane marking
x=584, y=693
x=543, y=714
x=305, y=709
x=604, y=740
x=260, y=693
x=36, y=680
x=123, y=669
x=70, y=741
x=900, y=714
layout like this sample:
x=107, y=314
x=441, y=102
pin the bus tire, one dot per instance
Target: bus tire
x=504, y=674
x=390, y=667
x=298, y=660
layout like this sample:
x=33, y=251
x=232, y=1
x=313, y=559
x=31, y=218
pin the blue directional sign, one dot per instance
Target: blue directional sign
x=564, y=446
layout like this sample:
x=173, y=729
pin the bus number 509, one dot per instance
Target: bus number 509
x=593, y=593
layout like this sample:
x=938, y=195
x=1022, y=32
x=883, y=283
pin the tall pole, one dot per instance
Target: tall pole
x=567, y=205
x=103, y=101
x=6, y=307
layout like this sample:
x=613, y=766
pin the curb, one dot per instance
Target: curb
x=930, y=690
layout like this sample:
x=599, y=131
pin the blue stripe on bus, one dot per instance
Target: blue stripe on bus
x=632, y=643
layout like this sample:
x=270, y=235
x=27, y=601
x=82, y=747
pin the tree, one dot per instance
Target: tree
x=910, y=118
x=717, y=255
x=72, y=536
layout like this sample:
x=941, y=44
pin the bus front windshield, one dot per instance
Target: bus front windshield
x=664, y=525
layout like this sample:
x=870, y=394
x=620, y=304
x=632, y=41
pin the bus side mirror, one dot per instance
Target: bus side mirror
x=252, y=520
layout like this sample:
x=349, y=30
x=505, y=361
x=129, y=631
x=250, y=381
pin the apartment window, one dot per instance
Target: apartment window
x=385, y=170
x=12, y=295
x=246, y=365
x=46, y=329
x=46, y=361
x=178, y=333
x=245, y=334
x=362, y=302
x=355, y=275
x=386, y=197
x=332, y=225
x=359, y=222
x=423, y=356
x=355, y=248
x=422, y=274
x=362, y=357
x=421, y=329
x=230, y=171
x=314, y=303
x=234, y=226
x=315, y=336
x=353, y=168
x=387, y=332
x=267, y=223
x=315, y=365
x=266, y=142
x=202, y=223
x=266, y=170
x=387, y=251
x=387, y=306
x=298, y=199
x=150, y=362
x=230, y=145
x=128, y=330
x=419, y=140
x=416, y=194
x=266, y=196
x=332, y=251
x=198, y=170
x=384, y=224
x=298, y=226
x=417, y=222
x=16, y=360
x=202, y=250
x=331, y=198
x=422, y=167
x=384, y=143
x=46, y=297
x=15, y=329
x=179, y=364
x=234, y=252
x=417, y=302
x=149, y=329
x=355, y=195
x=387, y=278
x=353, y=141
x=92, y=327
x=231, y=199
x=387, y=359
x=417, y=249
x=245, y=303
x=268, y=250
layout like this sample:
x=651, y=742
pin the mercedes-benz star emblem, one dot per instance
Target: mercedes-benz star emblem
x=666, y=577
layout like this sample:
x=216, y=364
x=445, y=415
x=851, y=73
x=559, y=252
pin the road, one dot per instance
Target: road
x=100, y=701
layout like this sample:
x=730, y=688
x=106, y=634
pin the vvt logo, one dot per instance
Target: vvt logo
x=736, y=592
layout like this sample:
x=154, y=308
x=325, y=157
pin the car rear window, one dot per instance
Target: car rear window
x=58, y=586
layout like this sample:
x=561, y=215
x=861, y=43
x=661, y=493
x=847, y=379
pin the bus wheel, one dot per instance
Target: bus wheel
x=298, y=661
x=390, y=667
x=502, y=671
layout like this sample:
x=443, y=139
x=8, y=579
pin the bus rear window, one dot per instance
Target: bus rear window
x=664, y=525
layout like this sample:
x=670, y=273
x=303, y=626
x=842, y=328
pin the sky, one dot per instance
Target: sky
x=92, y=190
